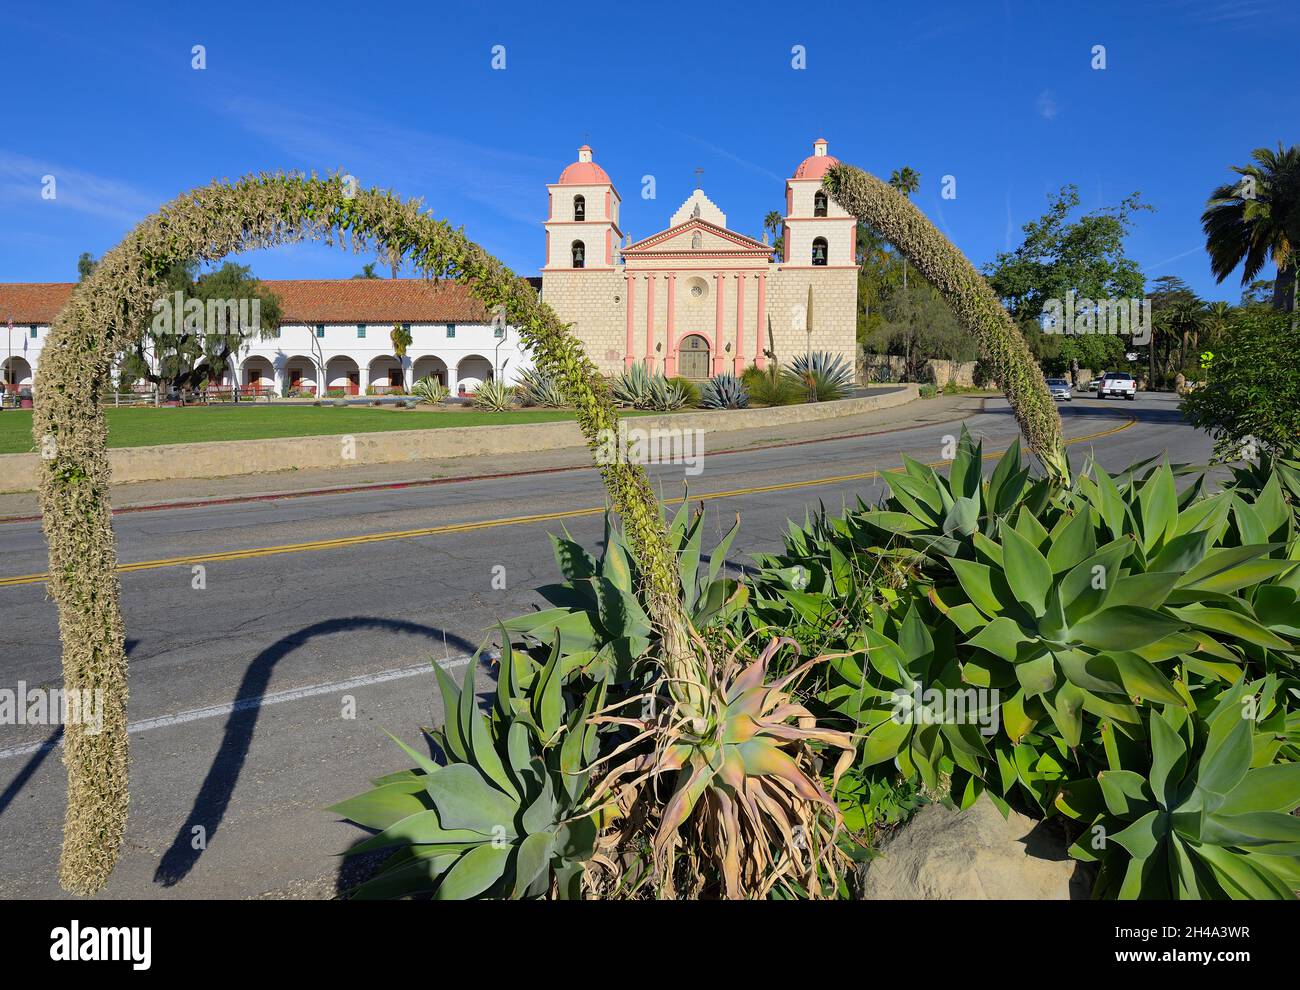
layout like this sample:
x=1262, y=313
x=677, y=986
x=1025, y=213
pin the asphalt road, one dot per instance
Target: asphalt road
x=310, y=609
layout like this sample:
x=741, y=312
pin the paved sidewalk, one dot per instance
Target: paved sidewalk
x=940, y=409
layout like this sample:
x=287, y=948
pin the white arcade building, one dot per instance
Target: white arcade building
x=335, y=334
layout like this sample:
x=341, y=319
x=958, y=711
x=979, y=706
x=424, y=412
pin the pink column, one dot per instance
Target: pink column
x=760, y=356
x=649, y=323
x=718, y=283
x=630, y=282
x=739, y=363
x=670, y=359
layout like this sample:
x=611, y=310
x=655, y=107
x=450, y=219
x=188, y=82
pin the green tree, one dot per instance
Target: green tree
x=1061, y=259
x=772, y=223
x=1251, y=392
x=907, y=181
x=187, y=349
x=1257, y=218
x=367, y=271
x=85, y=265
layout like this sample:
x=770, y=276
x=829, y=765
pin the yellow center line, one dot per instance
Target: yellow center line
x=466, y=527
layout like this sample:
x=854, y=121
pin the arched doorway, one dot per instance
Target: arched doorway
x=386, y=376
x=17, y=372
x=430, y=367
x=300, y=375
x=693, y=357
x=342, y=375
x=471, y=372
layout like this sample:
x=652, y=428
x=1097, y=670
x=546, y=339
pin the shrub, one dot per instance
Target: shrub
x=1127, y=643
x=724, y=391
x=771, y=387
x=429, y=389
x=927, y=391
x=494, y=396
x=1251, y=390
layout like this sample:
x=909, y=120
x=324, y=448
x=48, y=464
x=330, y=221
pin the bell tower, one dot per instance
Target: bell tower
x=582, y=228
x=818, y=232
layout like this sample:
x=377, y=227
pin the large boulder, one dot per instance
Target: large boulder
x=976, y=854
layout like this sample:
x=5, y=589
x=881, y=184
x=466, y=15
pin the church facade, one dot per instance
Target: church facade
x=698, y=298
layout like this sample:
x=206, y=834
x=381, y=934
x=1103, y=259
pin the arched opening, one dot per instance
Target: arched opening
x=300, y=376
x=430, y=367
x=819, y=249
x=257, y=378
x=579, y=252
x=819, y=203
x=693, y=357
x=580, y=207
x=385, y=376
x=471, y=372
x=17, y=374
x=106, y=316
x=342, y=377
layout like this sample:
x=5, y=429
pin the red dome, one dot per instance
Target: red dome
x=583, y=172
x=816, y=164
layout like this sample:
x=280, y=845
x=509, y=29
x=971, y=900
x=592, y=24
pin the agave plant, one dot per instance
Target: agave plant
x=641, y=389
x=494, y=396
x=745, y=802
x=724, y=391
x=1196, y=810
x=537, y=388
x=430, y=390
x=505, y=816
x=822, y=375
x=599, y=615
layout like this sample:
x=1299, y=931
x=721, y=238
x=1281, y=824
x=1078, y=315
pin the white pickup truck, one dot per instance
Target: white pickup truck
x=1119, y=383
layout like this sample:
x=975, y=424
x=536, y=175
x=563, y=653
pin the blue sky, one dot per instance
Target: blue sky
x=1000, y=95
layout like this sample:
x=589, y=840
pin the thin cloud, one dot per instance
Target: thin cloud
x=1046, y=105
x=1176, y=257
x=730, y=156
x=381, y=153
x=22, y=180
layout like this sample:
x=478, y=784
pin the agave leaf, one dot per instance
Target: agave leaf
x=1143, y=837
x=465, y=800
x=1168, y=760
x=1073, y=541
x=413, y=876
x=1268, y=788
x=1240, y=877
x=1125, y=792
x=1181, y=552
x=531, y=860
x=1124, y=627
x=474, y=873
x=384, y=805
x=1037, y=676
x=1141, y=679
x=1222, y=620
x=1158, y=499
x=1147, y=590
x=572, y=560
x=480, y=744
x=1066, y=710
x=1227, y=753
x=976, y=581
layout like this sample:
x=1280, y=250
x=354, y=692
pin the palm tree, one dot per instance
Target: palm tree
x=772, y=223
x=1257, y=218
x=1186, y=317
x=1218, y=317
x=907, y=181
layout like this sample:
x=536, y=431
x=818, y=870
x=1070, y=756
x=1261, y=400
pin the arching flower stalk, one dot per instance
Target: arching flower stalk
x=107, y=314
x=1001, y=344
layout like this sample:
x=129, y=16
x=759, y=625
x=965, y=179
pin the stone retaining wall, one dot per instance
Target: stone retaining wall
x=232, y=457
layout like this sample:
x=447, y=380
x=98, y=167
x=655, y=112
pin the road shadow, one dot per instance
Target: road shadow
x=42, y=753
x=213, y=798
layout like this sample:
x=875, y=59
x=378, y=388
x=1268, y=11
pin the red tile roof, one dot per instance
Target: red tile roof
x=32, y=302
x=314, y=300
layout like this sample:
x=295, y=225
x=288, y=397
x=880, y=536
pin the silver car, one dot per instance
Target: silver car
x=1060, y=389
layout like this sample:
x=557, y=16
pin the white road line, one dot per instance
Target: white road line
x=261, y=701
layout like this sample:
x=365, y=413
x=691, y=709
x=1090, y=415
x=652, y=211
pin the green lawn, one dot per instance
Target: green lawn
x=145, y=427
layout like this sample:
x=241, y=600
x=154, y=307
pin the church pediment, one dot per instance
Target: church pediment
x=697, y=236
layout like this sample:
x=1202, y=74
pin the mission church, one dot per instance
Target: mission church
x=697, y=298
